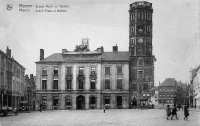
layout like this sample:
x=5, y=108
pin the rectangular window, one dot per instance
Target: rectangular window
x=69, y=84
x=93, y=85
x=44, y=101
x=119, y=69
x=119, y=83
x=55, y=84
x=44, y=84
x=44, y=71
x=55, y=100
x=107, y=70
x=55, y=72
x=69, y=70
x=80, y=71
x=140, y=74
x=107, y=84
x=107, y=100
x=80, y=85
x=68, y=101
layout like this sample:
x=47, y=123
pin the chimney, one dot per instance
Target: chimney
x=8, y=52
x=102, y=50
x=64, y=50
x=115, y=48
x=41, y=54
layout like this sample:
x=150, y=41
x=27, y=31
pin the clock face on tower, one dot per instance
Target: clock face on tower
x=140, y=40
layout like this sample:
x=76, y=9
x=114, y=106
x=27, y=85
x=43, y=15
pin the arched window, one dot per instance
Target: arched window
x=140, y=15
x=132, y=16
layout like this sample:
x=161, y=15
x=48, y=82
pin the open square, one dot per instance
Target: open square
x=112, y=117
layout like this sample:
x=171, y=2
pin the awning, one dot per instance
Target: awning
x=197, y=96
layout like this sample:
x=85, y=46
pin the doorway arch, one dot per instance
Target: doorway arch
x=80, y=102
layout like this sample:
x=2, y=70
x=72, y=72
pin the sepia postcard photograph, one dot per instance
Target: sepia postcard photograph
x=99, y=62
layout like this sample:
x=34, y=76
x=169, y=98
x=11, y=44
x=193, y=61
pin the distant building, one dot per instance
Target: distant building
x=29, y=91
x=83, y=79
x=11, y=80
x=195, y=87
x=171, y=92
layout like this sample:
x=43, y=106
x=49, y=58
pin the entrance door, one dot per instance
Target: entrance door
x=80, y=102
x=119, y=101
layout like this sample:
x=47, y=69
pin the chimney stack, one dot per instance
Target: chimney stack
x=115, y=48
x=41, y=54
x=8, y=52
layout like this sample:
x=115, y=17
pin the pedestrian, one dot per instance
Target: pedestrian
x=174, y=112
x=40, y=107
x=186, y=112
x=168, y=111
x=104, y=109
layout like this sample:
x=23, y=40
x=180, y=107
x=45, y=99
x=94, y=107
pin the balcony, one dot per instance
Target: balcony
x=81, y=77
x=93, y=76
x=69, y=77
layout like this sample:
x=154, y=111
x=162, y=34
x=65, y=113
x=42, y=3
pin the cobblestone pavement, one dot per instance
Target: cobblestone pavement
x=115, y=117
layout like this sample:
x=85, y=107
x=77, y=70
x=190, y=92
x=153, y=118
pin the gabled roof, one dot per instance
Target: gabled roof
x=168, y=82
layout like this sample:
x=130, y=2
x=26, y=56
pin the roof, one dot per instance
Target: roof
x=56, y=57
x=106, y=56
x=116, y=56
x=168, y=82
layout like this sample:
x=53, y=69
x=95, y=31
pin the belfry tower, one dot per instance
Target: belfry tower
x=141, y=58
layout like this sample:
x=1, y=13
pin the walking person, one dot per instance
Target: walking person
x=186, y=112
x=168, y=111
x=174, y=112
x=104, y=109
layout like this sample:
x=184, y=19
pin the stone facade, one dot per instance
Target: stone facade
x=75, y=80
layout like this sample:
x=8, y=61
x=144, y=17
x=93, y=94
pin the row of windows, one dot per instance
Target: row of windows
x=81, y=84
x=68, y=100
x=81, y=70
x=167, y=90
x=163, y=101
x=141, y=16
x=140, y=29
x=140, y=40
x=18, y=87
x=166, y=95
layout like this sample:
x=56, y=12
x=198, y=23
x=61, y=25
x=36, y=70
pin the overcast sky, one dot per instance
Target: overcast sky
x=176, y=44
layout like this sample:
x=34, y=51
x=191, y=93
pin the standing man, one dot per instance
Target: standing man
x=40, y=107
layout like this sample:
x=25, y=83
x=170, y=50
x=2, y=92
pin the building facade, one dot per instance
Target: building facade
x=141, y=57
x=195, y=84
x=171, y=92
x=76, y=80
x=11, y=80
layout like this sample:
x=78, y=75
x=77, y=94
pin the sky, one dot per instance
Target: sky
x=176, y=31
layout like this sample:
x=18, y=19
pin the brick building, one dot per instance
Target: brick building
x=140, y=48
x=11, y=80
x=172, y=92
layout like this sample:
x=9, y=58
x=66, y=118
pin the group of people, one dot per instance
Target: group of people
x=173, y=112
